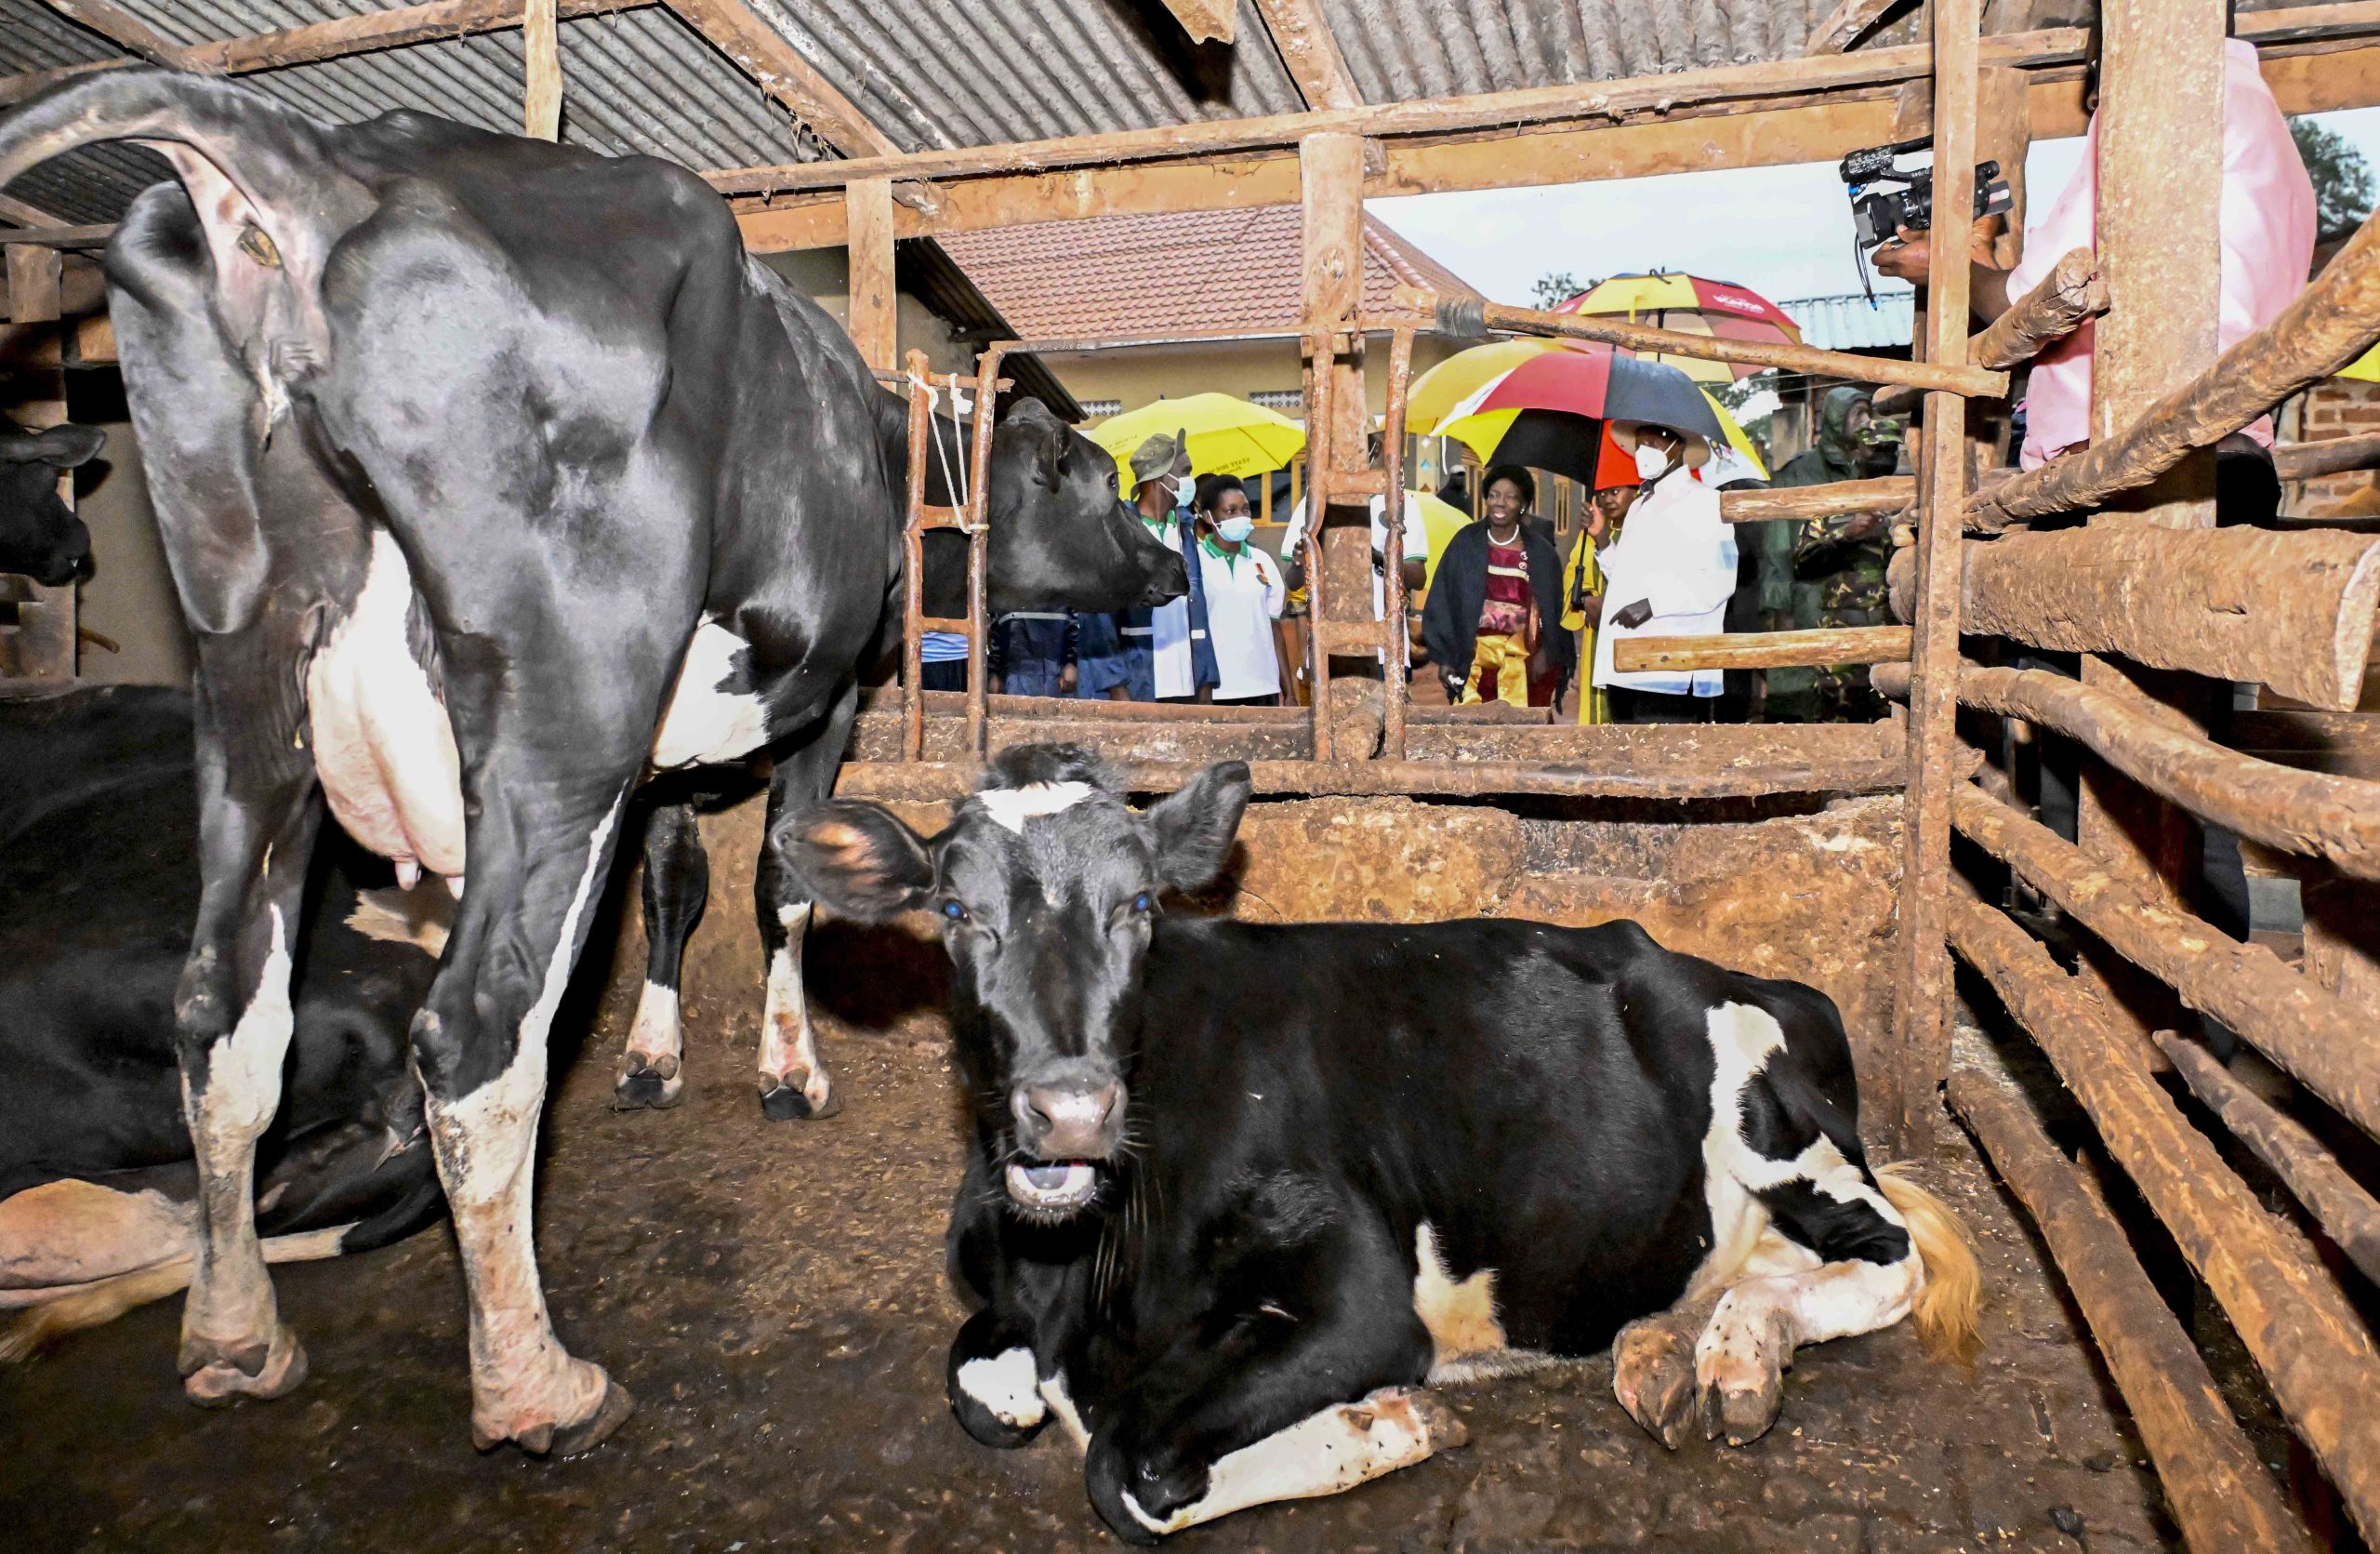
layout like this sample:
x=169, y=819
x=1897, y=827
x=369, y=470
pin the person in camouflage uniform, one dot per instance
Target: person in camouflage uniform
x=1841, y=560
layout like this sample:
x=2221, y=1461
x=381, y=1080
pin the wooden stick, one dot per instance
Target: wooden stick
x=2312, y=1346
x=390, y=29
x=2069, y=294
x=1469, y=316
x=1922, y=963
x=541, y=59
x=874, y=308
x=2330, y=817
x=1837, y=644
x=2347, y=1215
x=2330, y=456
x=2320, y=1039
x=760, y=52
x=1309, y=51
x=1845, y=25
x=1887, y=494
x=122, y=28
x=2221, y=1495
x=2291, y=609
x=58, y=237
x=2335, y=320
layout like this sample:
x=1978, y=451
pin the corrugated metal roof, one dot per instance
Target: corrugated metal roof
x=1853, y=323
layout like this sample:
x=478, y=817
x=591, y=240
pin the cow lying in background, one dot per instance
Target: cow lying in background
x=98, y=885
x=1240, y=1190
x=40, y=536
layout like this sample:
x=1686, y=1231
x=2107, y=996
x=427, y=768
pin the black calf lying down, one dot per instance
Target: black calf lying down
x=1241, y=1190
x=98, y=885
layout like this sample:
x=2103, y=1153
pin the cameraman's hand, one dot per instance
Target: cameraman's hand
x=1906, y=258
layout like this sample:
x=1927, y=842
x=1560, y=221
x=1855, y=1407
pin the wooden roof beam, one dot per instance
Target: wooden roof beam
x=373, y=30
x=1846, y=25
x=1302, y=36
x=119, y=27
x=1206, y=20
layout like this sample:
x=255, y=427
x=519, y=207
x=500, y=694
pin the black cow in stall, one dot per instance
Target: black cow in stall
x=99, y=887
x=1240, y=1190
x=40, y=536
x=493, y=475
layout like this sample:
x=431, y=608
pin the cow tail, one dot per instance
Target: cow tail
x=1947, y=1311
x=104, y=1300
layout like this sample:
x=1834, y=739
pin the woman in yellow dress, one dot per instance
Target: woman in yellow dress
x=1582, y=580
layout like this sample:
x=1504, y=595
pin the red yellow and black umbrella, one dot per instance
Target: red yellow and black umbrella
x=1548, y=411
x=1692, y=306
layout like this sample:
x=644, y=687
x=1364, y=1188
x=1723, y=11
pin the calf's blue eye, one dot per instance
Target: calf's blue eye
x=954, y=911
x=1141, y=903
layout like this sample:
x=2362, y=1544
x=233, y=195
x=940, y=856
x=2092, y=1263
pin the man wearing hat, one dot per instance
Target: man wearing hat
x=1670, y=574
x=1161, y=654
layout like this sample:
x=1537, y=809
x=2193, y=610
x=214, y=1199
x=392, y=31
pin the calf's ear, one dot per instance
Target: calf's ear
x=60, y=447
x=1196, y=826
x=859, y=861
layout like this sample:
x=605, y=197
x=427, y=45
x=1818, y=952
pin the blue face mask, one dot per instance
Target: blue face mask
x=1236, y=529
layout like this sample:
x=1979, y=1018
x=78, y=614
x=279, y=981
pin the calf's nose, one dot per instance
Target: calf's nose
x=1066, y=1122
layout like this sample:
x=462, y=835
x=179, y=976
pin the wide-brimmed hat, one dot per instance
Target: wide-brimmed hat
x=1165, y=453
x=1698, y=446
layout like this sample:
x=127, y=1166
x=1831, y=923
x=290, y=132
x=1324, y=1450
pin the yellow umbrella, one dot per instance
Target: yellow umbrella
x=1431, y=396
x=1442, y=521
x=1227, y=436
x=2364, y=368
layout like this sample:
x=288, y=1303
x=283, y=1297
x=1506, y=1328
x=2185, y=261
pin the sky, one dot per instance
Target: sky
x=1784, y=232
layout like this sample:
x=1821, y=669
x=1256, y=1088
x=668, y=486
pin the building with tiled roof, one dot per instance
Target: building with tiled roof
x=1156, y=278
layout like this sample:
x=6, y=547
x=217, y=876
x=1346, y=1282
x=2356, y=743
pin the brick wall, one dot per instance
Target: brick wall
x=2338, y=407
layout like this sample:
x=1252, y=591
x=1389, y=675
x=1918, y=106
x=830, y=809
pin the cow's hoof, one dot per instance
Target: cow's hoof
x=1424, y=1416
x=214, y=1383
x=1134, y=1499
x=566, y=1441
x=1742, y=1409
x=654, y=1083
x=799, y=1097
x=1652, y=1374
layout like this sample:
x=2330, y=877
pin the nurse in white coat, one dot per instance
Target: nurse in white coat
x=1669, y=575
x=1245, y=593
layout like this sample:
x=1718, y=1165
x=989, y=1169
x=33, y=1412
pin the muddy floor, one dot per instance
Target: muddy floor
x=774, y=1295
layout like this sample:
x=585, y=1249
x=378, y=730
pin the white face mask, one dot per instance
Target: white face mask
x=1651, y=462
x=1236, y=529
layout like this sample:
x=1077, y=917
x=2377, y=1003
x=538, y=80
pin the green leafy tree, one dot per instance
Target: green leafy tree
x=1556, y=287
x=2342, y=182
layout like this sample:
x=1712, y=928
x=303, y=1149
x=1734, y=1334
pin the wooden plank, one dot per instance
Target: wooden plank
x=874, y=297
x=33, y=276
x=1339, y=589
x=122, y=28
x=2306, y=813
x=1311, y=54
x=1886, y=494
x=1206, y=20
x=2004, y=132
x=2312, y=1346
x=2330, y=455
x=1837, y=644
x=762, y=53
x=397, y=28
x=2053, y=310
x=2292, y=610
x=541, y=60
x=2322, y=1041
x=1846, y=25
x=2221, y=1496
x=58, y=237
x=2347, y=1215
x=1921, y=981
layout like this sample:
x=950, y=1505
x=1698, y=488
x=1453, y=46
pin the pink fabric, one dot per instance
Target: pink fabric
x=2267, y=249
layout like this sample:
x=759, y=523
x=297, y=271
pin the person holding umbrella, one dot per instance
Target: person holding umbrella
x=1492, y=621
x=1670, y=574
x=1615, y=488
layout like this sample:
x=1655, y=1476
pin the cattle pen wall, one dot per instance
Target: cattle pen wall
x=1871, y=861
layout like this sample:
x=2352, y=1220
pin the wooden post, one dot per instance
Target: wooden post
x=541, y=51
x=1922, y=992
x=41, y=645
x=1330, y=167
x=875, y=298
x=2160, y=208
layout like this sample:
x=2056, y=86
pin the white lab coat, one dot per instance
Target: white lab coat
x=1169, y=630
x=1244, y=597
x=1674, y=552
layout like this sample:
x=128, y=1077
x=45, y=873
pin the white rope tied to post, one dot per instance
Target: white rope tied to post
x=960, y=404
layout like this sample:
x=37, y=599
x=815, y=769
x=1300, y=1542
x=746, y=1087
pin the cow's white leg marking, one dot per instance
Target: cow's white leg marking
x=1742, y=1041
x=788, y=1045
x=383, y=746
x=1006, y=1387
x=1062, y=1405
x=657, y=1041
x=1461, y=1318
x=230, y=1315
x=709, y=717
x=1323, y=1454
x=524, y=1383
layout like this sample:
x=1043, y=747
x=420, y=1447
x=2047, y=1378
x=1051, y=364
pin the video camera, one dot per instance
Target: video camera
x=1891, y=188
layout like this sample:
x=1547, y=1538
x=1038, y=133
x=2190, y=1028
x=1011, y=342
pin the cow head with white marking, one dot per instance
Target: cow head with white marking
x=1046, y=885
x=1059, y=539
x=39, y=534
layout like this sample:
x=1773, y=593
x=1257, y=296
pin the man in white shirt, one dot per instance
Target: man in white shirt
x=1669, y=575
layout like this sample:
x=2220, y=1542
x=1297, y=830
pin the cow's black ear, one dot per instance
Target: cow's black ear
x=60, y=447
x=1049, y=453
x=859, y=861
x=1195, y=827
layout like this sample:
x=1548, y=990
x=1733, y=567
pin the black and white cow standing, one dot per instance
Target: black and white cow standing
x=98, y=885
x=492, y=475
x=1240, y=1190
x=40, y=536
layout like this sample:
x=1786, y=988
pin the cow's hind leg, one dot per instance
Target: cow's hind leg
x=538, y=850
x=793, y=1079
x=1652, y=1367
x=677, y=883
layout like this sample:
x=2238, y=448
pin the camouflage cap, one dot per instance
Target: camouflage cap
x=1161, y=455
